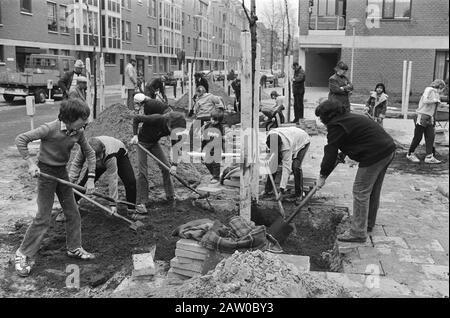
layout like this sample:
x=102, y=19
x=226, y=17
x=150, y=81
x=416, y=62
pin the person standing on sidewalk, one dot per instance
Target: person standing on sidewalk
x=153, y=129
x=376, y=105
x=298, y=89
x=130, y=82
x=68, y=82
x=340, y=86
x=366, y=142
x=425, y=122
x=57, y=140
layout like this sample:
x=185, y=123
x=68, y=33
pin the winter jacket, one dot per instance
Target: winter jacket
x=78, y=93
x=154, y=127
x=202, y=82
x=205, y=104
x=156, y=85
x=357, y=136
x=377, y=105
x=298, y=83
x=339, y=91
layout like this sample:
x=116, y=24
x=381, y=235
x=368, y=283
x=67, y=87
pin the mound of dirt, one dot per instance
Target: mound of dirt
x=112, y=122
x=259, y=274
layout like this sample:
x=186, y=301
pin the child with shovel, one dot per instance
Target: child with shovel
x=57, y=140
x=112, y=160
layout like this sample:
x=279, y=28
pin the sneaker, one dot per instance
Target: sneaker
x=60, y=217
x=22, y=264
x=141, y=209
x=413, y=158
x=80, y=253
x=347, y=237
x=431, y=159
x=136, y=216
x=214, y=181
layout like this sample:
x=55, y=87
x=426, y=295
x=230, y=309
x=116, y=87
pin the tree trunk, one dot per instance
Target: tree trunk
x=288, y=44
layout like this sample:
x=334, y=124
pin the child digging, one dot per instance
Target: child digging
x=213, y=133
x=57, y=140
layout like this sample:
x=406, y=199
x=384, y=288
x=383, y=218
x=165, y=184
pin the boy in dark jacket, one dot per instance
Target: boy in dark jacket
x=366, y=142
x=156, y=85
x=213, y=143
x=153, y=129
x=57, y=140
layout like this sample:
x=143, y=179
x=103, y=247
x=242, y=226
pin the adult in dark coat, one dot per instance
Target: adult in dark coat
x=366, y=142
x=236, y=86
x=340, y=86
x=66, y=81
x=156, y=85
x=298, y=90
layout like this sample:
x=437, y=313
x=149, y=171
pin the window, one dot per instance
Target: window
x=53, y=51
x=150, y=61
x=441, y=65
x=0, y=13
x=393, y=9
x=110, y=58
x=25, y=6
x=151, y=33
x=63, y=17
x=139, y=29
x=2, y=54
x=65, y=52
x=127, y=31
x=151, y=8
x=52, y=24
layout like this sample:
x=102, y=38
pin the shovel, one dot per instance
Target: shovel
x=175, y=176
x=76, y=188
x=133, y=225
x=281, y=228
x=83, y=190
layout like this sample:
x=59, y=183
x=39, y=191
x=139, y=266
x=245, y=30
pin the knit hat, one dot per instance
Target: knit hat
x=139, y=98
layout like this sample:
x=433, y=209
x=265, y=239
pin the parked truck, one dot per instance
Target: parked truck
x=39, y=70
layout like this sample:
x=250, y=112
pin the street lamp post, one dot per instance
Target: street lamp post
x=353, y=23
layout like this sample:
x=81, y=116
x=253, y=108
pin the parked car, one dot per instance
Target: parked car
x=39, y=69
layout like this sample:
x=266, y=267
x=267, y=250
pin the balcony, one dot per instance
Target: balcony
x=328, y=23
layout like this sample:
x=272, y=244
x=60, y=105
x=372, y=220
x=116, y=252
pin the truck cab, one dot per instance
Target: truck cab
x=39, y=69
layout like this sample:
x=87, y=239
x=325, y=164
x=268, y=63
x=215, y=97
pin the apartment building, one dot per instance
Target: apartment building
x=381, y=34
x=271, y=47
x=154, y=32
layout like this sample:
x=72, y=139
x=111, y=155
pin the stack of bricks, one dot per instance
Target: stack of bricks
x=191, y=259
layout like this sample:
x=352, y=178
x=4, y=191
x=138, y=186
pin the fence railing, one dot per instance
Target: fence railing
x=326, y=22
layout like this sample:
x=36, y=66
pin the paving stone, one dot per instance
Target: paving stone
x=301, y=262
x=393, y=241
x=377, y=231
x=405, y=273
x=385, y=287
x=346, y=247
x=430, y=245
x=193, y=266
x=209, y=189
x=374, y=252
x=414, y=256
x=143, y=265
x=436, y=272
x=350, y=281
x=363, y=266
x=190, y=254
x=431, y=288
x=440, y=258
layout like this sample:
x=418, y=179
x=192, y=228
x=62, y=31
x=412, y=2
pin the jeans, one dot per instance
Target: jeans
x=366, y=195
x=126, y=174
x=298, y=105
x=142, y=180
x=429, y=134
x=130, y=98
x=45, y=198
x=297, y=171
